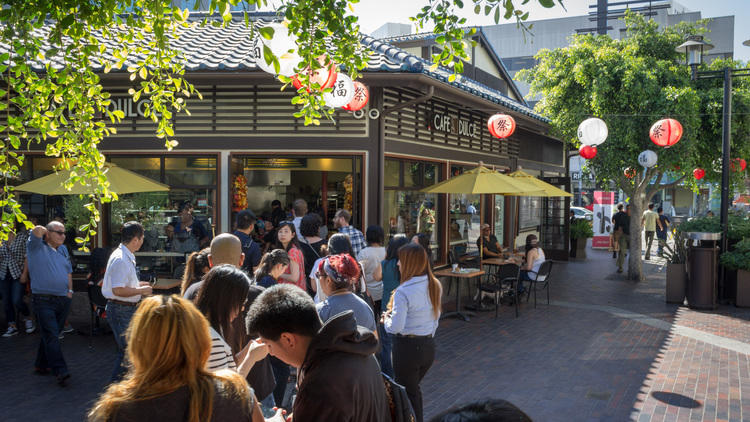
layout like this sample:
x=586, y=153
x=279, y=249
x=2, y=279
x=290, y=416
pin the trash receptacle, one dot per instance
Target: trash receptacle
x=702, y=277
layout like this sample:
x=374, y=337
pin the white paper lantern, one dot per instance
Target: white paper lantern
x=342, y=94
x=647, y=158
x=592, y=131
x=288, y=62
x=282, y=41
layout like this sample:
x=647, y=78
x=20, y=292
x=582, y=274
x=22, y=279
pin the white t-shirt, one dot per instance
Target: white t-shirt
x=370, y=258
x=120, y=272
x=221, y=354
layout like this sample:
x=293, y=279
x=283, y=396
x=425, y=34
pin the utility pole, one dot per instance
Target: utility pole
x=601, y=17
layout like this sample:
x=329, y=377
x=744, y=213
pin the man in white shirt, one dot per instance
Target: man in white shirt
x=300, y=210
x=122, y=288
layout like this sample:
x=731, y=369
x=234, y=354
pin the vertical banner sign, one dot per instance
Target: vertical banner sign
x=604, y=204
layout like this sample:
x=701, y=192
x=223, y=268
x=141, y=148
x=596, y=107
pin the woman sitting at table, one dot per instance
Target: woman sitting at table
x=532, y=261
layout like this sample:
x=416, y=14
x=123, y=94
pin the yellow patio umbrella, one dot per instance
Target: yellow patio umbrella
x=482, y=180
x=546, y=189
x=121, y=181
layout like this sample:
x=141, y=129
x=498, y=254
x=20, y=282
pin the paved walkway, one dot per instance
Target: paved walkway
x=605, y=349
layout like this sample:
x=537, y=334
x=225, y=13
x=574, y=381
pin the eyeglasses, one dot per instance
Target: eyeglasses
x=321, y=275
x=61, y=233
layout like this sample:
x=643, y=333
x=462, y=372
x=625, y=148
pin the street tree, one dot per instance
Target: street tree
x=631, y=83
x=51, y=97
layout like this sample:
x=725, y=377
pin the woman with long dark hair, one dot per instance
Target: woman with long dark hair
x=388, y=273
x=221, y=299
x=271, y=266
x=311, y=244
x=168, y=348
x=195, y=268
x=424, y=241
x=532, y=261
x=412, y=317
x=286, y=239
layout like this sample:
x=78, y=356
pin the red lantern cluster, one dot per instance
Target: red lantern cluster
x=629, y=172
x=587, y=151
x=666, y=132
x=699, y=173
x=361, y=96
x=501, y=125
x=741, y=163
x=323, y=77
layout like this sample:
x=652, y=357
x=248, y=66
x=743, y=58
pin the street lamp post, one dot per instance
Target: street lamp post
x=693, y=49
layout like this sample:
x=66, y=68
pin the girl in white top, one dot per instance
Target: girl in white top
x=221, y=299
x=370, y=258
x=534, y=260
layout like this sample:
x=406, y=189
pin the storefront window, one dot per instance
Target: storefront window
x=327, y=184
x=464, y=225
x=499, y=217
x=407, y=211
x=190, y=179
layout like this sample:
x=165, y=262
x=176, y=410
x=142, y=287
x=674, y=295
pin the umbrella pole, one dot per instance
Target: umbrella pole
x=481, y=237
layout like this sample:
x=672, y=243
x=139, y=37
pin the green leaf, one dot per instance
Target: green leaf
x=547, y=3
x=266, y=32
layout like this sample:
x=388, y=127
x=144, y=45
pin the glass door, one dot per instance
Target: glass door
x=555, y=224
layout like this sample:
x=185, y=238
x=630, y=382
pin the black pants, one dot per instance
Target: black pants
x=412, y=358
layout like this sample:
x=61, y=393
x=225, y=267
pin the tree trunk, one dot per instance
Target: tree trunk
x=635, y=265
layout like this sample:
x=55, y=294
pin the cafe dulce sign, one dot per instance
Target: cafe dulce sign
x=442, y=122
x=127, y=106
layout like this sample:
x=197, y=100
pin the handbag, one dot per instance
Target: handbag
x=398, y=402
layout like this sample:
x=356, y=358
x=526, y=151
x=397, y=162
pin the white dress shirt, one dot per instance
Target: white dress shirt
x=120, y=273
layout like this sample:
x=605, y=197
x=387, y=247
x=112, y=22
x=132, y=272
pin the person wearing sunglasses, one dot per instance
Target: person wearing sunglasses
x=51, y=277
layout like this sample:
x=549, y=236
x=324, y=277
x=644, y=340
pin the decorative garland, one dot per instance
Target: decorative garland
x=239, y=197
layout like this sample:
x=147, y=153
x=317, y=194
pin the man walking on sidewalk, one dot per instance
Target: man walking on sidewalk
x=622, y=233
x=122, y=288
x=648, y=220
x=51, y=293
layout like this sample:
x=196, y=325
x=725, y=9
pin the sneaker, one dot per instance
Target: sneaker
x=12, y=330
x=29, y=324
x=619, y=270
x=68, y=328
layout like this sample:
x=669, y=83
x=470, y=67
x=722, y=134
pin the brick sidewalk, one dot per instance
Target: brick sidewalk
x=606, y=349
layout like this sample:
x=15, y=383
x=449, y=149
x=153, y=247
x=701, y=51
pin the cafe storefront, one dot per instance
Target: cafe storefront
x=417, y=130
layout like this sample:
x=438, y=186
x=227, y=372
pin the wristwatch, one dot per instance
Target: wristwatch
x=70, y=291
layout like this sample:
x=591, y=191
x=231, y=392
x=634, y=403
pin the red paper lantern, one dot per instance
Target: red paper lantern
x=361, y=96
x=587, y=151
x=741, y=163
x=323, y=77
x=501, y=125
x=699, y=173
x=666, y=132
x=630, y=172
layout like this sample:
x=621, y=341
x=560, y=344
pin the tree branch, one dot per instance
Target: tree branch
x=652, y=191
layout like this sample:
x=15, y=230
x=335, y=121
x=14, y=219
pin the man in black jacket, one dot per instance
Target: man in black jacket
x=622, y=233
x=338, y=378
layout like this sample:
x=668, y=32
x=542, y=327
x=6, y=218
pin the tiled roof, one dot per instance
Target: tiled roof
x=421, y=36
x=210, y=48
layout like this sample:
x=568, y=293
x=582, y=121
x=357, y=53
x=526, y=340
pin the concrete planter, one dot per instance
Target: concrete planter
x=580, y=248
x=676, y=282
x=743, y=289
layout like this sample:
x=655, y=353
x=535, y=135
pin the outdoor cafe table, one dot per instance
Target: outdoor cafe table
x=458, y=276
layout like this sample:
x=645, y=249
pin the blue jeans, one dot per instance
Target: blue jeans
x=281, y=373
x=12, y=291
x=51, y=312
x=384, y=354
x=267, y=405
x=119, y=317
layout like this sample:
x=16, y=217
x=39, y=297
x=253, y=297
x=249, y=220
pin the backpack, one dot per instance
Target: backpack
x=398, y=402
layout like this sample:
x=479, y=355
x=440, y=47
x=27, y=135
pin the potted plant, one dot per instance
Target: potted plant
x=676, y=257
x=580, y=231
x=739, y=260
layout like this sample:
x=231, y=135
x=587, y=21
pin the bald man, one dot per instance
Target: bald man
x=225, y=249
x=51, y=277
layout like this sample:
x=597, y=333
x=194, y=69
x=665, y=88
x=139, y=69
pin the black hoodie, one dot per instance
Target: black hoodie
x=340, y=379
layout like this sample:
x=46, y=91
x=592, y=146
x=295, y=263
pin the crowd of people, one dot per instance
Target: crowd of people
x=344, y=312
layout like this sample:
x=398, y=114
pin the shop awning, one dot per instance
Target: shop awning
x=121, y=181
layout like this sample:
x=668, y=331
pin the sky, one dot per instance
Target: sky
x=374, y=13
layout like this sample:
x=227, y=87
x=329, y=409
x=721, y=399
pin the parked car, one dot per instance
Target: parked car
x=579, y=212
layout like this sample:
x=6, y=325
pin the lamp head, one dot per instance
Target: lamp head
x=693, y=49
